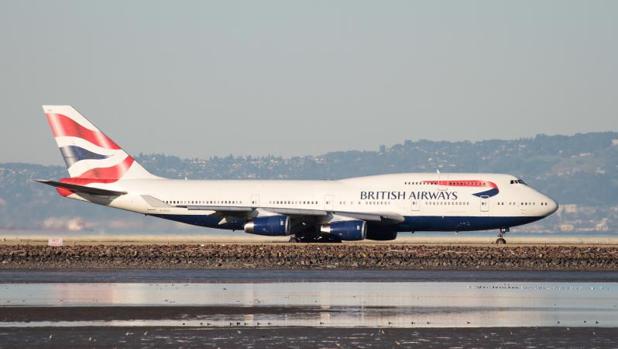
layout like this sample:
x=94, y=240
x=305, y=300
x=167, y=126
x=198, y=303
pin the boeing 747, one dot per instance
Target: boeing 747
x=372, y=207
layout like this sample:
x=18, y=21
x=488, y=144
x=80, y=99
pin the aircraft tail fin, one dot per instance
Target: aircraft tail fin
x=90, y=156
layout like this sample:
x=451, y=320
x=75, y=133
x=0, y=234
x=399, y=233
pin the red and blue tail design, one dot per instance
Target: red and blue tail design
x=90, y=156
x=490, y=188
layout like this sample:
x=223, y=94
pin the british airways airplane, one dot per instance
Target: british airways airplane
x=372, y=207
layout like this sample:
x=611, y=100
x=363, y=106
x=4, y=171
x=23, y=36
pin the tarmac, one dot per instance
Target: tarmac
x=427, y=239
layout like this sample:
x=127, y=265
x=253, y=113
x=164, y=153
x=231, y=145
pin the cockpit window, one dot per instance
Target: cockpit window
x=518, y=181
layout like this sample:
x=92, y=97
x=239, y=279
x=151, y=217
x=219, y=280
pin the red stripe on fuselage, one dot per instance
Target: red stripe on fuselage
x=463, y=183
x=62, y=125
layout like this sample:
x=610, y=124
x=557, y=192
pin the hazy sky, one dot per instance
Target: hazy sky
x=203, y=78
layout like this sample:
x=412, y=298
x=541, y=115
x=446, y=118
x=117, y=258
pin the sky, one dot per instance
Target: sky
x=213, y=78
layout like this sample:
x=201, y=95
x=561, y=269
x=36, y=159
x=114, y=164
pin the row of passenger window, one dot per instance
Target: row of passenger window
x=285, y=202
x=512, y=203
x=311, y=202
x=203, y=202
x=447, y=203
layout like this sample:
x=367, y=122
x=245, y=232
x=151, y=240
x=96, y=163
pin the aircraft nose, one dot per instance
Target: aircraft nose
x=552, y=206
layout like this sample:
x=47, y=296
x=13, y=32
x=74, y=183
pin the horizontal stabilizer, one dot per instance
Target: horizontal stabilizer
x=81, y=188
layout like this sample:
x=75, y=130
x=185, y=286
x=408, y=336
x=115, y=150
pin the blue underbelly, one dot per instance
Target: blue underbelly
x=462, y=223
x=210, y=221
x=411, y=223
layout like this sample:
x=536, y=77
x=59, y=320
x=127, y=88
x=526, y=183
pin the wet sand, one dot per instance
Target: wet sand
x=289, y=275
x=109, y=313
x=308, y=337
x=312, y=256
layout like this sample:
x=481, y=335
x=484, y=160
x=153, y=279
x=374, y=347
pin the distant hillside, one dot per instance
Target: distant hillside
x=580, y=170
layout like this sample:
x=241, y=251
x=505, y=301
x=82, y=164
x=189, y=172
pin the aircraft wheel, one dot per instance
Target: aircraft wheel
x=500, y=241
x=321, y=238
x=328, y=239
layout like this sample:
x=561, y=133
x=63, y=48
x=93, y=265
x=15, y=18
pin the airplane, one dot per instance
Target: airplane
x=370, y=207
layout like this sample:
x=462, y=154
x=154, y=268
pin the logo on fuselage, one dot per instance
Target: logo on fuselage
x=490, y=189
x=412, y=195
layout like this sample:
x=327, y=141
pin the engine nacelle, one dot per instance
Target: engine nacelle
x=346, y=230
x=269, y=225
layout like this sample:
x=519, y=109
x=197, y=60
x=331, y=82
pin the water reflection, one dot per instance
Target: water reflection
x=396, y=304
x=326, y=294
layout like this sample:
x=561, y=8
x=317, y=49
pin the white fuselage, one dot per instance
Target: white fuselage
x=427, y=201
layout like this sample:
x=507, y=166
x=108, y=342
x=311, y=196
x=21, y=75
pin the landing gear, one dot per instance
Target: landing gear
x=321, y=238
x=500, y=240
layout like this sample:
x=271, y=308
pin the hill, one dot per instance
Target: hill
x=579, y=171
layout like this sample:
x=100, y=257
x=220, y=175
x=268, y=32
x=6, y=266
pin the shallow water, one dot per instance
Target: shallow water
x=303, y=275
x=337, y=304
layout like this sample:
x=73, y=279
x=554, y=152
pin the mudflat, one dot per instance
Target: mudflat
x=308, y=337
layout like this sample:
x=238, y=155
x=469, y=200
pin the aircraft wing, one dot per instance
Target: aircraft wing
x=248, y=212
x=387, y=217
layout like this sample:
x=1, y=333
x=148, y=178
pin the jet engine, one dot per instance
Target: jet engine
x=270, y=225
x=346, y=230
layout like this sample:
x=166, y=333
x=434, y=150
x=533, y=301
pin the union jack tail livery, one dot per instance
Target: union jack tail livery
x=90, y=156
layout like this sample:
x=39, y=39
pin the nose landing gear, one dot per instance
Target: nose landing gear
x=500, y=240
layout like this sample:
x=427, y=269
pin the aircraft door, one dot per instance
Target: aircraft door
x=414, y=205
x=255, y=200
x=328, y=202
x=484, y=203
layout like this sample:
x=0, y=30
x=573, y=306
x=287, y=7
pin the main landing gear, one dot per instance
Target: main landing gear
x=500, y=240
x=323, y=238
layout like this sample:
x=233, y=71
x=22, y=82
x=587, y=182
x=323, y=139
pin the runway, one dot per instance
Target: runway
x=308, y=308
x=483, y=238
